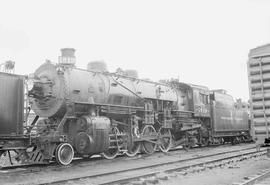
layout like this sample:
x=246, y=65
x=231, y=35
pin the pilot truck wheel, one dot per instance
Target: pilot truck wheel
x=64, y=154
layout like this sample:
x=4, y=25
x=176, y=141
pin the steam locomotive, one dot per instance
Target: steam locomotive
x=83, y=112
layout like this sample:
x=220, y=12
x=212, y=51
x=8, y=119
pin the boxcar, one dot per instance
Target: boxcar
x=258, y=67
x=11, y=104
x=12, y=136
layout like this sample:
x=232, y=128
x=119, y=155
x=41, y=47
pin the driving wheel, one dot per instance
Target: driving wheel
x=149, y=147
x=165, y=139
x=113, y=151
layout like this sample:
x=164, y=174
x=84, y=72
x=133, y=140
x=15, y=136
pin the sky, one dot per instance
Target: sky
x=201, y=42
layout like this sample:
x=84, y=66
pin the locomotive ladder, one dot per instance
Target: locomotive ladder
x=263, y=98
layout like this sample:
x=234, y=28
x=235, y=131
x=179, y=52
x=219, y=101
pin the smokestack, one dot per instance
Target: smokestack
x=67, y=57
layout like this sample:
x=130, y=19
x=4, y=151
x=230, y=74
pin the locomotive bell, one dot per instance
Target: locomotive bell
x=67, y=57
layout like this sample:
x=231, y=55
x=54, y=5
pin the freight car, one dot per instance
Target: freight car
x=12, y=135
x=259, y=91
x=84, y=112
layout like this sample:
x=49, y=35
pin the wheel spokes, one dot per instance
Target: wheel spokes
x=149, y=147
x=64, y=153
x=133, y=150
x=165, y=139
x=113, y=150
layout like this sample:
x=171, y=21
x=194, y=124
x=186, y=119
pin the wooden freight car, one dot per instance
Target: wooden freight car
x=258, y=67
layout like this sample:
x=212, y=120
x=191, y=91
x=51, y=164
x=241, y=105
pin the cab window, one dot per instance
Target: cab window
x=204, y=98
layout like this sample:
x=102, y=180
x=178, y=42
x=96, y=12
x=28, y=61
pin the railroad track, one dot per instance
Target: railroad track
x=262, y=178
x=75, y=160
x=108, y=169
x=116, y=176
x=126, y=175
x=35, y=167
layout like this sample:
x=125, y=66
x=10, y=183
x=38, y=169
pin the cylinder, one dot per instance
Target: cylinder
x=93, y=135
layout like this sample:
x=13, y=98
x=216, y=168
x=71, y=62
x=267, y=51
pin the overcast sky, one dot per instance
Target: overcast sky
x=204, y=42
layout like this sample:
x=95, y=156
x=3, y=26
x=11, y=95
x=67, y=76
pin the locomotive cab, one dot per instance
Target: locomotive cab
x=201, y=101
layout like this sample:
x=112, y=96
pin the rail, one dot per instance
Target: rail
x=102, y=171
x=127, y=175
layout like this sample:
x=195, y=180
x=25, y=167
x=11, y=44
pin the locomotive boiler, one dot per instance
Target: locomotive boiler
x=82, y=112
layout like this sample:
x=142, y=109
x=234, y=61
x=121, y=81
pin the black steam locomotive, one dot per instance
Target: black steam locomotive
x=84, y=112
